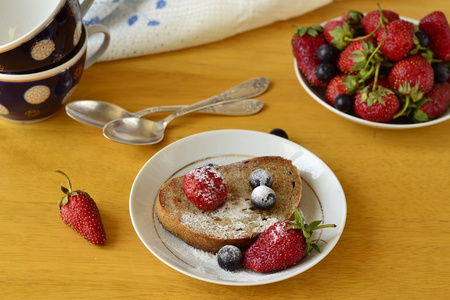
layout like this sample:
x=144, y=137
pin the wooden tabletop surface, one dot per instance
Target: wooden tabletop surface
x=396, y=240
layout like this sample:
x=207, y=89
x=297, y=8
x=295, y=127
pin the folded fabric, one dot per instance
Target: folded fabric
x=142, y=27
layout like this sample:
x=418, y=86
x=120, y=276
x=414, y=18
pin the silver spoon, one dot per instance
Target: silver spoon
x=98, y=113
x=139, y=131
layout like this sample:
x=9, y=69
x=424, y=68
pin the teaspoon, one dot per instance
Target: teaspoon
x=139, y=131
x=98, y=113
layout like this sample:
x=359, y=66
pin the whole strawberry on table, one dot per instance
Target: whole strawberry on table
x=80, y=212
x=378, y=66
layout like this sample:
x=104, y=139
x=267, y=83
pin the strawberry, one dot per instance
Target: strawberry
x=305, y=43
x=354, y=17
x=376, y=104
x=335, y=87
x=338, y=33
x=78, y=211
x=397, y=41
x=205, y=187
x=437, y=27
x=435, y=103
x=412, y=77
x=371, y=20
x=282, y=245
x=355, y=56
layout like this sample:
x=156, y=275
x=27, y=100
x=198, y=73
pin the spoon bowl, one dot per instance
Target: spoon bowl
x=135, y=131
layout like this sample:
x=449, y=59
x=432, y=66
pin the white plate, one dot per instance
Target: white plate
x=322, y=199
x=319, y=96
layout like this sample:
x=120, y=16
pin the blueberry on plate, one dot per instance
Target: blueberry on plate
x=211, y=165
x=230, y=257
x=260, y=177
x=279, y=132
x=263, y=197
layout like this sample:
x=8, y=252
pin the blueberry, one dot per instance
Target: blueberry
x=423, y=37
x=260, y=177
x=279, y=132
x=327, y=54
x=325, y=72
x=343, y=102
x=229, y=257
x=441, y=72
x=263, y=197
x=211, y=165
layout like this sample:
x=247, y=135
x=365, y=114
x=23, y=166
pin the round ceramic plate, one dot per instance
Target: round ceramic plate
x=322, y=199
x=319, y=95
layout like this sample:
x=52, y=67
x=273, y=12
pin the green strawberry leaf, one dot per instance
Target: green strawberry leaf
x=420, y=116
x=316, y=247
x=313, y=225
x=65, y=190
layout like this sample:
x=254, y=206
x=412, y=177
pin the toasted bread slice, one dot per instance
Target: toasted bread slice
x=235, y=221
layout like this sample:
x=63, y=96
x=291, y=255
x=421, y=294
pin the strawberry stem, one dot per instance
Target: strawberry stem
x=67, y=178
x=65, y=199
x=405, y=106
x=307, y=232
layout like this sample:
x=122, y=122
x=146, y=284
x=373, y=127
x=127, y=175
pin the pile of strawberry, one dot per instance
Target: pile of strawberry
x=378, y=66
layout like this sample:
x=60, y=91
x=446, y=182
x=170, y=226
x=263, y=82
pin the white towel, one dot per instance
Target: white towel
x=142, y=27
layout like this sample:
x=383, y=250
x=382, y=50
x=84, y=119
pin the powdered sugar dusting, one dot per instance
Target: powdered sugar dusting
x=206, y=264
x=233, y=219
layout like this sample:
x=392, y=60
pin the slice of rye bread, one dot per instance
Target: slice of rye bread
x=236, y=221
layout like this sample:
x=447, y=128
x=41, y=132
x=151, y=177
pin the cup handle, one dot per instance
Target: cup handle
x=94, y=29
x=84, y=7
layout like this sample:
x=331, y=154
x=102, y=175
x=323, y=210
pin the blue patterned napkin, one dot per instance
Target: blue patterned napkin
x=142, y=27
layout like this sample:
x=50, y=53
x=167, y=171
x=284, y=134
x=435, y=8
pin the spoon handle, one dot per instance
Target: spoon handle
x=247, y=89
x=244, y=107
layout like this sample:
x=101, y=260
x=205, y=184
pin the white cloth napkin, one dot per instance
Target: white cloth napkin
x=142, y=27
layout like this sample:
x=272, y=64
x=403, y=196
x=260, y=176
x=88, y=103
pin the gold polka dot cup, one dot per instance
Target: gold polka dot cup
x=36, y=96
x=38, y=33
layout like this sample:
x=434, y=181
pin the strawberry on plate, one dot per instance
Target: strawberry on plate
x=205, y=187
x=80, y=212
x=282, y=245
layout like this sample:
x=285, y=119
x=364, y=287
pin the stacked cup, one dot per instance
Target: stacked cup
x=43, y=49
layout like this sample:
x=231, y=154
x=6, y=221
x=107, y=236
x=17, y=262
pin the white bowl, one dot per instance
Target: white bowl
x=319, y=95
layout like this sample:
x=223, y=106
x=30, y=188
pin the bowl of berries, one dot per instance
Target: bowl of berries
x=378, y=69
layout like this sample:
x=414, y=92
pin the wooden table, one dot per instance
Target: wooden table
x=396, y=240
